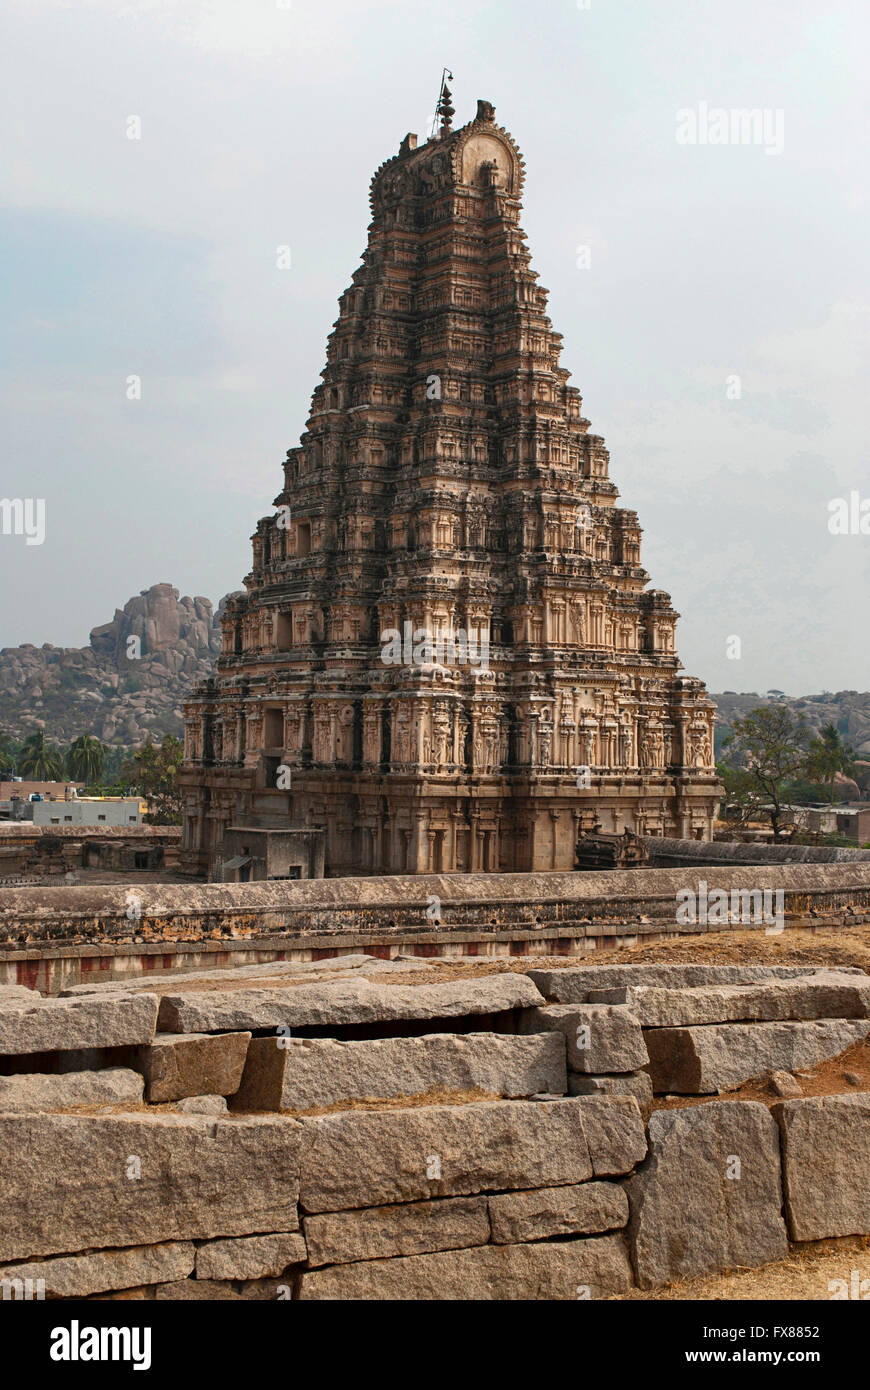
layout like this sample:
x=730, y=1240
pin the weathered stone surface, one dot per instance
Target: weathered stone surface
x=718, y=1057
x=688, y=1216
x=355, y=1159
x=782, y=1083
x=177, y=1065
x=47, y=1091
x=169, y=982
x=249, y=1257
x=823, y=995
x=77, y=1276
x=378, y=1233
x=142, y=1292
x=202, y=1105
x=826, y=1160
x=307, y=1072
x=557, y=1211
x=342, y=1002
x=65, y=1176
x=599, y=1037
x=358, y=1159
x=53, y=1025
x=18, y=994
x=574, y=986
x=629, y=1083
x=614, y=1132
x=548, y=1271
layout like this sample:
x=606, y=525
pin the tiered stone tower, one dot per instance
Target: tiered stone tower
x=446, y=481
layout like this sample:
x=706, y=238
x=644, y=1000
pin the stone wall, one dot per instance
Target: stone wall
x=337, y=1132
x=33, y=855
x=49, y=939
x=668, y=854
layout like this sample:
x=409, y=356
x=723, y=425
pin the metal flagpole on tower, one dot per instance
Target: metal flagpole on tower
x=443, y=107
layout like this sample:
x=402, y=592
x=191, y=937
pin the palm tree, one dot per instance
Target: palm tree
x=40, y=761
x=86, y=759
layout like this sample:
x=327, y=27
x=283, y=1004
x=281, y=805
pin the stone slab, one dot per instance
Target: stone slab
x=99, y=1271
x=719, y=1057
x=637, y=1084
x=615, y=1133
x=587, y=1209
x=355, y=1159
x=304, y=1073
x=56, y=1091
x=551, y=1270
x=54, y=1025
x=826, y=1162
x=599, y=1037
x=67, y=1178
x=360, y=1159
x=688, y=1216
x=140, y=1293
x=823, y=995
x=176, y=1065
x=249, y=1257
x=202, y=1105
x=18, y=994
x=169, y=981
x=417, y=1228
x=342, y=1002
x=574, y=986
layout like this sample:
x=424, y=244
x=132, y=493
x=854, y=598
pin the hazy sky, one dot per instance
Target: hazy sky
x=261, y=125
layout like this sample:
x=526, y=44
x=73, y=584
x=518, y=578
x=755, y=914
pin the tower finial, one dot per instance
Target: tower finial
x=444, y=108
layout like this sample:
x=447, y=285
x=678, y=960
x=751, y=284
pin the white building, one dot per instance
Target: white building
x=90, y=810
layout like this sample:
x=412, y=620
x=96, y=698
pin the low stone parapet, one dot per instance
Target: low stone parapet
x=601, y=905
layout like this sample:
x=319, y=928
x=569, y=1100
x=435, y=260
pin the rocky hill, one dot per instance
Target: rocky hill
x=847, y=710
x=130, y=681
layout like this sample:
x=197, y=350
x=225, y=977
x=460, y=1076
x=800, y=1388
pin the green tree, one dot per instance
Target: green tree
x=768, y=749
x=743, y=801
x=86, y=759
x=829, y=755
x=8, y=753
x=40, y=761
x=153, y=772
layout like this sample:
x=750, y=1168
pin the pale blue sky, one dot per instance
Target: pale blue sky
x=262, y=124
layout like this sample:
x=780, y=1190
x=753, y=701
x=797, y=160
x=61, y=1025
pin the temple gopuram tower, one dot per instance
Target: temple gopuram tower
x=446, y=657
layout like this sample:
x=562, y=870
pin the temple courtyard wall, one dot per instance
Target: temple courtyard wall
x=668, y=854
x=52, y=938
x=366, y=1129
